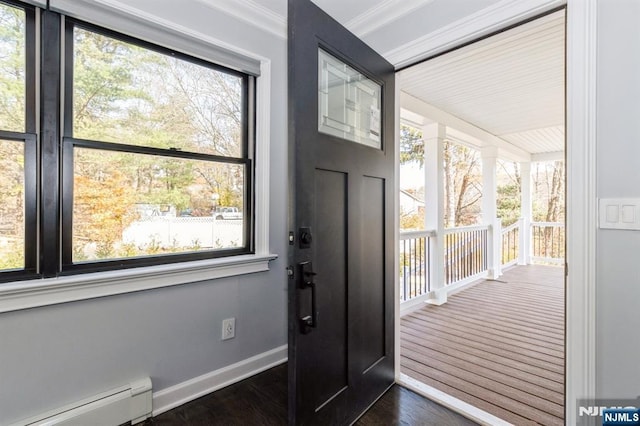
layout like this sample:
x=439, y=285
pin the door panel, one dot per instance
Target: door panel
x=372, y=294
x=330, y=340
x=341, y=162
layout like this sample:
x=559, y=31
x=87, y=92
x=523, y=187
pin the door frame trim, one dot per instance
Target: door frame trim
x=581, y=201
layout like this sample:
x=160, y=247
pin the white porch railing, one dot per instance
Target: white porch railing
x=511, y=244
x=468, y=254
x=415, y=261
x=547, y=242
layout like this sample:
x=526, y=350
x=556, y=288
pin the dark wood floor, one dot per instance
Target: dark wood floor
x=498, y=346
x=262, y=400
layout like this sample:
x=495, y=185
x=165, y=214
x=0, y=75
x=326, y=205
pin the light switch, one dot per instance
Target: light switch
x=628, y=214
x=613, y=213
x=619, y=213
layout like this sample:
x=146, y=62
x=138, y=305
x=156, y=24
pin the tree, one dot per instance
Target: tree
x=102, y=211
x=462, y=185
x=12, y=69
x=127, y=94
x=124, y=94
x=412, y=152
x=509, y=189
x=12, y=206
x=12, y=118
x=549, y=191
x=549, y=206
x=411, y=145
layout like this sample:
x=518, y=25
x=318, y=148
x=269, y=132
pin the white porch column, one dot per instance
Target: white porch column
x=434, y=136
x=526, y=208
x=489, y=209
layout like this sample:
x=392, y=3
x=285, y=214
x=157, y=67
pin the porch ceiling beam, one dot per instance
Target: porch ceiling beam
x=547, y=156
x=413, y=119
x=418, y=106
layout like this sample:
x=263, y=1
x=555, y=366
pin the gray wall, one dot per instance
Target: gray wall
x=55, y=355
x=618, y=175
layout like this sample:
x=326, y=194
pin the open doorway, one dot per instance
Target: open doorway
x=482, y=225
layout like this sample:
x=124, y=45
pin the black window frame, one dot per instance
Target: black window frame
x=49, y=147
x=69, y=142
x=28, y=137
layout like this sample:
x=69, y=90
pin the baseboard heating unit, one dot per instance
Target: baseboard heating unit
x=129, y=403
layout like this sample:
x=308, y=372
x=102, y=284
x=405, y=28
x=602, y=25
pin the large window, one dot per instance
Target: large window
x=150, y=160
x=17, y=141
x=156, y=145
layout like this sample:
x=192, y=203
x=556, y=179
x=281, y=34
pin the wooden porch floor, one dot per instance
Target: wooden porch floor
x=498, y=345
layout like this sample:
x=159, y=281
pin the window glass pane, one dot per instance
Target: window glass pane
x=348, y=102
x=123, y=93
x=12, y=68
x=129, y=205
x=11, y=205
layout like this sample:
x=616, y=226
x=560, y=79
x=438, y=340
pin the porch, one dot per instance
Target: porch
x=498, y=345
x=490, y=331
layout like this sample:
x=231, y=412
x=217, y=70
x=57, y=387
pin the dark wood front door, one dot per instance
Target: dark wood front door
x=341, y=297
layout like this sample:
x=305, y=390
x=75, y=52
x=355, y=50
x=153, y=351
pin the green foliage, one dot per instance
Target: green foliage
x=508, y=204
x=411, y=145
x=12, y=69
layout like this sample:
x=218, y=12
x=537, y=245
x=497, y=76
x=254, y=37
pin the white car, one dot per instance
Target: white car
x=226, y=213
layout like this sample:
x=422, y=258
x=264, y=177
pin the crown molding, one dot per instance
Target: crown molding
x=382, y=14
x=252, y=13
x=119, y=16
x=493, y=18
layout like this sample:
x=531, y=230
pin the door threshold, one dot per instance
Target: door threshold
x=452, y=403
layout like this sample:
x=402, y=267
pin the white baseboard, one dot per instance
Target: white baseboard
x=184, y=392
x=452, y=403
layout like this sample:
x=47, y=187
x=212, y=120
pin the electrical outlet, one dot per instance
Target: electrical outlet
x=228, y=328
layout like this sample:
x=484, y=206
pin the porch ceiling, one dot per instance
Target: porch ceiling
x=510, y=85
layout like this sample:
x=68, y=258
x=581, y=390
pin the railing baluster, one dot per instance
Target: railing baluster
x=419, y=267
x=428, y=263
x=404, y=270
x=412, y=287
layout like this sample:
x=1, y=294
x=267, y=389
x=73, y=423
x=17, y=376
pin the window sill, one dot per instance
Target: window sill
x=50, y=291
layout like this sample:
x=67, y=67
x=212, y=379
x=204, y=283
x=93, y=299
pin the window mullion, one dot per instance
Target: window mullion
x=50, y=144
x=138, y=149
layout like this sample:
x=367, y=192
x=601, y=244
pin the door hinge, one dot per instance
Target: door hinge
x=292, y=238
x=290, y=272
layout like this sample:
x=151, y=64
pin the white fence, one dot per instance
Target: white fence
x=203, y=232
